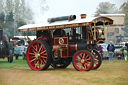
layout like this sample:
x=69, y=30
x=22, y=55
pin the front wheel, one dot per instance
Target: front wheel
x=38, y=55
x=83, y=60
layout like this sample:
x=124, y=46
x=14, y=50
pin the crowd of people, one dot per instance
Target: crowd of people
x=111, y=49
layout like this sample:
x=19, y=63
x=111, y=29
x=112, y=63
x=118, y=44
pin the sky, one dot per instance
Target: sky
x=76, y=7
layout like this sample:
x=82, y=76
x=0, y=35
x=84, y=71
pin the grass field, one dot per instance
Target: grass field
x=18, y=73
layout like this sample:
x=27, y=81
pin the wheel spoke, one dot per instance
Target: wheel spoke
x=43, y=57
x=96, y=59
x=95, y=62
x=81, y=66
x=33, y=60
x=88, y=59
x=83, y=56
x=79, y=57
x=43, y=52
x=39, y=64
x=32, y=53
x=85, y=65
x=88, y=62
x=37, y=46
x=78, y=64
x=33, y=56
x=40, y=48
x=36, y=64
x=87, y=56
x=34, y=48
x=42, y=62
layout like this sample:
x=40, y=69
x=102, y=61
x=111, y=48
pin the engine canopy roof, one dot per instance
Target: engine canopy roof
x=66, y=24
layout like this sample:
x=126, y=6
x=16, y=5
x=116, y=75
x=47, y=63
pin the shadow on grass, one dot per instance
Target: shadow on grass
x=4, y=62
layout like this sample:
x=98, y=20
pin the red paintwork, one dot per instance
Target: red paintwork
x=36, y=47
x=9, y=58
x=72, y=49
x=77, y=61
x=56, y=40
x=62, y=47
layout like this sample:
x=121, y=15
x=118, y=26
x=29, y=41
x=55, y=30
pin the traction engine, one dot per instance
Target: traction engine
x=64, y=40
x=6, y=47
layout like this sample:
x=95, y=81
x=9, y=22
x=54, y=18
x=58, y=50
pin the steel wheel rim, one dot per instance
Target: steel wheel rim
x=96, y=59
x=36, y=56
x=82, y=61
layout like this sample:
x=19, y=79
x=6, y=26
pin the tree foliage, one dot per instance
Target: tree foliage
x=2, y=17
x=15, y=13
x=9, y=17
x=124, y=9
x=106, y=8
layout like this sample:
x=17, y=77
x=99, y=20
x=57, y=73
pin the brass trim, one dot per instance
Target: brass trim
x=52, y=33
x=100, y=32
x=76, y=47
x=27, y=36
x=104, y=29
x=94, y=31
x=61, y=41
x=91, y=30
x=56, y=46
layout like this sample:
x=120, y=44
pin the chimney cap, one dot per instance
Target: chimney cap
x=83, y=16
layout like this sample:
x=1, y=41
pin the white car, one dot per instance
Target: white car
x=23, y=50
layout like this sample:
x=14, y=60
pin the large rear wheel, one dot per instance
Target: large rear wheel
x=83, y=60
x=38, y=55
x=97, y=59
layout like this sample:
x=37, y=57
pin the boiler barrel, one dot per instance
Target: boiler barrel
x=81, y=46
x=71, y=17
x=77, y=46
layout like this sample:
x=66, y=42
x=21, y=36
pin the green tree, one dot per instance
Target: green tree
x=9, y=18
x=124, y=9
x=20, y=12
x=2, y=17
x=106, y=8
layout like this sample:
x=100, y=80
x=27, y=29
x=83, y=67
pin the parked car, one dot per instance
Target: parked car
x=23, y=50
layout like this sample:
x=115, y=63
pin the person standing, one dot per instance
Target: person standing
x=99, y=48
x=111, y=49
x=16, y=52
x=123, y=50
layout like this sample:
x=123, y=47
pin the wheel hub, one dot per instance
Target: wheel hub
x=37, y=55
x=82, y=61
